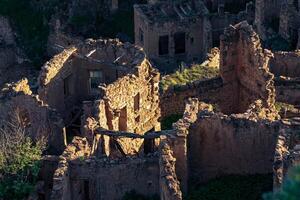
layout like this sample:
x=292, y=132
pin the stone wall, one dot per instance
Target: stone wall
x=108, y=179
x=173, y=100
x=80, y=176
x=39, y=120
x=168, y=183
x=244, y=68
x=267, y=14
x=61, y=181
x=286, y=64
x=221, y=145
x=288, y=90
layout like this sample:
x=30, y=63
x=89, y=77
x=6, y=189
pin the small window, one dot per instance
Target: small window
x=67, y=86
x=137, y=102
x=179, y=40
x=164, y=45
x=141, y=35
x=95, y=80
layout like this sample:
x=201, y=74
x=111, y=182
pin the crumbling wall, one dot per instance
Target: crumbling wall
x=286, y=64
x=173, y=99
x=244, y=68
x=179, y=143
x=79, y=148
x=288, y=90
x=39, y=120
x=168, y=183
x=108, y=179
x=51, y=81
x=219, y=144
x=130, y=104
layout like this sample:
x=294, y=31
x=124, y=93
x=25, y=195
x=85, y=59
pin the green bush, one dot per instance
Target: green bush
x=20, y=170
x=290, y=189
x=167, y=122
x=19, y=159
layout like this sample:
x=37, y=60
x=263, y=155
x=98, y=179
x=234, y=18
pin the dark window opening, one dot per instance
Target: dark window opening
x=123, y=119
x=164, y=45
x=67, y=86
x=96, y=78
x=192, y=40
x=149, y=146
x=179, y=40
x=137, y=102
x=294, y=38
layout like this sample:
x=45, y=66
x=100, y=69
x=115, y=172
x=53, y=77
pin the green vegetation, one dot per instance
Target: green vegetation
x=167, y=122
x=19, y=161
x=196, y=72
x=31, y=25
x=133, y=195
x=290, y=189
x=283, y=106
x=249, y=187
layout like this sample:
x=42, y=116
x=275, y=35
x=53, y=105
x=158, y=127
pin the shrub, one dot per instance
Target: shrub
x=290, y=189
x=19, y=160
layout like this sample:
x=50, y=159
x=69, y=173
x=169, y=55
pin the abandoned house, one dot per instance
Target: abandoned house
x=175, y=33
x=172, y=32
x=118, y=73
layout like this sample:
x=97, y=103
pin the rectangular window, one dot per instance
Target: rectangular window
x=164, y=45
x=123, y=119
x=141, y=36
x=179, y=41
x=137, y=102
x=96, y=77
x=67, y=86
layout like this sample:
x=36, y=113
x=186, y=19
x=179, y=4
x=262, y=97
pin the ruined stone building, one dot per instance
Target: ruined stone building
x=229, y=124
x=172, y=32
x=128, y=92
x=278, y=17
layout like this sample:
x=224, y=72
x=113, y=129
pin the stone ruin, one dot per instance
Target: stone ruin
x=229, y=124
x=106, y=94
x=172, y=32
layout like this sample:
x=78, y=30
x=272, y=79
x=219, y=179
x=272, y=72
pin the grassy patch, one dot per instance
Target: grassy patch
x=196, y=72
x=167, y=122
x=233, y=188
